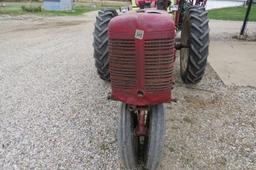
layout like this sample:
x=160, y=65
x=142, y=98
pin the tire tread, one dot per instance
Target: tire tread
x=101, y=42
x=199, y=44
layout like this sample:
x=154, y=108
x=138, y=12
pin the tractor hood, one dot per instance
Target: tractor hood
x=140, y=24
x=141, y=56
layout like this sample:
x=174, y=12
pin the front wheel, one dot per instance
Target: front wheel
x=128, y=142
x=155, y=139
x=135, y=148
x=195, y=38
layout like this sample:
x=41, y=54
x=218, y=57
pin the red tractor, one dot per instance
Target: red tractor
x=136, y=51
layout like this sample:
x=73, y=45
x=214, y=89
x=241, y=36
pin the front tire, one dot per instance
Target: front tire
x=155, y=139
x=195, y=36
x=148, y=149
x=100, y=43
x=128, y=142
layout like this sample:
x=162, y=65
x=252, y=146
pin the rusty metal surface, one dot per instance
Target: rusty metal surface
x=141, y=129
x=141, y=56
x=122, y=63
x=141, y=71
x=159, y=62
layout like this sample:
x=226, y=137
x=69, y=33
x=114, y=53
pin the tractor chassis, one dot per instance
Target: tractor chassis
x=142, y=128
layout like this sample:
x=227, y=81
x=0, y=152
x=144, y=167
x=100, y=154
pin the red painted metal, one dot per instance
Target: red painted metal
x=180, y=4
x=177, y=13
x=141, y=3
x=141, y=129
x=141, y=68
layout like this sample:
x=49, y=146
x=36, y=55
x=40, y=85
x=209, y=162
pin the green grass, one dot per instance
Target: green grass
x=21, y=9
x=12, y=10
x=233, y=13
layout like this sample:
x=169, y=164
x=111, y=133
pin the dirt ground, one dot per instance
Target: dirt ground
x=54, y=113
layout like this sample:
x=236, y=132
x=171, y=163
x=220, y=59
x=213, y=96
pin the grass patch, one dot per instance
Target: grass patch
x=12, y=10
x=31, y=8
x=233, y=13
x=79, y=9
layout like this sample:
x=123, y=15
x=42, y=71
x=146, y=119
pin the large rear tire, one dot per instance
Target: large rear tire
x=100, y=43
x=195, y=36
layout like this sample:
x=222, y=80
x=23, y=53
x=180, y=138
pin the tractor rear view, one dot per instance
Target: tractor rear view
x=136, y=52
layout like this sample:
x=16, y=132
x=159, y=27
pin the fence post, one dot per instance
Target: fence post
x=246, y=18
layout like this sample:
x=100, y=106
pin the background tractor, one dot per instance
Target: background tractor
x=136, y=51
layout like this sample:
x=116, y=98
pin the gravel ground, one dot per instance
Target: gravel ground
x=54, y=112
